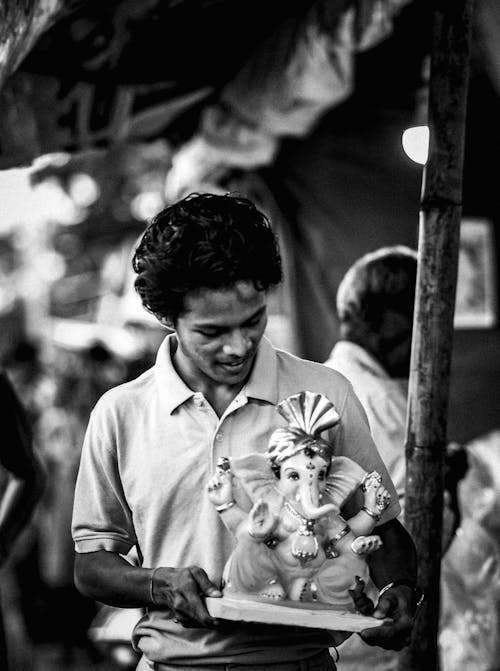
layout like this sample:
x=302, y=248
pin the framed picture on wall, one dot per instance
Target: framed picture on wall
x=476, y=299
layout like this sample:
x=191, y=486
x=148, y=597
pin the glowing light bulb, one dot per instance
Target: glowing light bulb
x=83, y=189
x=415, y=142
x=145, y=205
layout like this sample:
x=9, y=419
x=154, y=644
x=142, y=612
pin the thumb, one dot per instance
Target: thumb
x=382, y=607
x=207, y=587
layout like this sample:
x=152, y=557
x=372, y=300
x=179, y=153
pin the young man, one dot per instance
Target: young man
x=204, y=267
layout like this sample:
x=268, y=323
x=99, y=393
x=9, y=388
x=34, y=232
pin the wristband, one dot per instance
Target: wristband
x=225, y=506
x=369, y=512
x=417, y=592
x=151, y=595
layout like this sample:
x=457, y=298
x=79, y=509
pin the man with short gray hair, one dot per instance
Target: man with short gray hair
x=375, y=302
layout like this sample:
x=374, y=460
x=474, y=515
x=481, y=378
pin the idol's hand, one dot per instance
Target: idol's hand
x=220, y=488
x=376, y=496
x=261, y=521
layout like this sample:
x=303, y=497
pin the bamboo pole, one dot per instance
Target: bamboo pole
x=439, y=235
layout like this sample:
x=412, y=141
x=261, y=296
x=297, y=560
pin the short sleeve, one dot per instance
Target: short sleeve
x=354, y=440
x=102, y=519
x=387, y=417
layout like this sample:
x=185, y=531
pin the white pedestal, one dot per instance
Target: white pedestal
x=294, y=613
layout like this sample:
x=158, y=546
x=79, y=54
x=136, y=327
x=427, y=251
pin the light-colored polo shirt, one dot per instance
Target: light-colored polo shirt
x=385, y=401
x=151, y=446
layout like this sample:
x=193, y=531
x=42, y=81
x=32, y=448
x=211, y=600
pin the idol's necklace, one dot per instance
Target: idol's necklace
x=305, y=544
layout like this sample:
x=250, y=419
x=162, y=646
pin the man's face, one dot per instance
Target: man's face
x=218, y=334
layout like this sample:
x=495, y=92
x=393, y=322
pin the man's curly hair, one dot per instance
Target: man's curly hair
x=203, y=241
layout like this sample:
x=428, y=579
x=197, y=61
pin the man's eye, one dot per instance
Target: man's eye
x=208, y=334
x=255, y=321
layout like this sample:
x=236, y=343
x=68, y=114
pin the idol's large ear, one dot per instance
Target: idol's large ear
x=344, y=478
x=254, y=473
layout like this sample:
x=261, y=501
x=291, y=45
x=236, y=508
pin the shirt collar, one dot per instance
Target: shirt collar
x=173, y=391
x=263, y=381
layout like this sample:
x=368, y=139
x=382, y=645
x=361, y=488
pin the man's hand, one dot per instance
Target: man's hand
x=182, y=591
x=393, y=568
x=396, y=603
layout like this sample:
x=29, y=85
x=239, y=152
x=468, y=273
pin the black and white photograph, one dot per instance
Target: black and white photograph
x=250, y=335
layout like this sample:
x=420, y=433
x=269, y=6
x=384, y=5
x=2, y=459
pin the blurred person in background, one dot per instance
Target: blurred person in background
x=81, y=374
x=26, y=369
x=375, y=302
x=22, y=481
x=204, y=267
x=470, y=572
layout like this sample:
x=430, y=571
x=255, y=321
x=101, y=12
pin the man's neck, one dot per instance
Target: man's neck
x=220, y=396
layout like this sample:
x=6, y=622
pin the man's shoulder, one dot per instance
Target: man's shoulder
x=355, y=363
x=298, y=374
x=129, y=395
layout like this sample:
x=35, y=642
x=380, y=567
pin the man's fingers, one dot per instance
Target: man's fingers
x=190, y=611
x=203, y=582
x=182, y=591
x=383, y=607
x=188, y=605
x=200, y=612
x=391, y=636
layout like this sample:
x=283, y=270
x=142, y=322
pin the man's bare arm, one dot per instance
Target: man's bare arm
x=397, y=559
x=395, y=562
x=109, y=578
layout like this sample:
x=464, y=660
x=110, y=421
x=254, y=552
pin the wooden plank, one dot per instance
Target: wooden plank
x=440, y=216
x=292, y=613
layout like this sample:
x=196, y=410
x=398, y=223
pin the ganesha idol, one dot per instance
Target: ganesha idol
x=294, y=545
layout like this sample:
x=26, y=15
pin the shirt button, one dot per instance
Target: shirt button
x=218, y=437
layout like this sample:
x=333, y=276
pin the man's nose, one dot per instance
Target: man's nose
x=237, y=343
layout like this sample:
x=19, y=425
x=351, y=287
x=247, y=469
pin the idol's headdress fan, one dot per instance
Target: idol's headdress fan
x=308, y=414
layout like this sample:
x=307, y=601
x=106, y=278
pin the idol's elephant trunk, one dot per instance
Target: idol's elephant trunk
x=309, y=499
